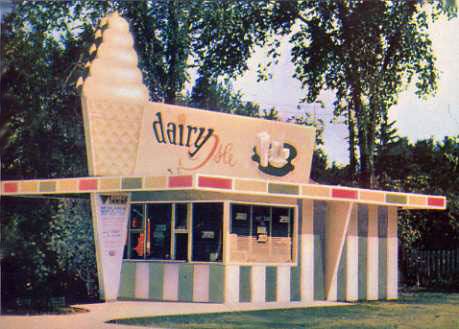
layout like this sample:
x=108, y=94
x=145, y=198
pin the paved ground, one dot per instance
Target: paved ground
x=100, y=313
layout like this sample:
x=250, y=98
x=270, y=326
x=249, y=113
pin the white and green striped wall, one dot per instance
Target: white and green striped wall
x=354, y=252
x=346, y=252
x=169, y=281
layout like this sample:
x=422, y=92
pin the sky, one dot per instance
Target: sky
x=438, y=116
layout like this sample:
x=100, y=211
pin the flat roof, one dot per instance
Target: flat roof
x=237, y=185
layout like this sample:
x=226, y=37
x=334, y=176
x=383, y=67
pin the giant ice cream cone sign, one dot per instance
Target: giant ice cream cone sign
x=113, y=99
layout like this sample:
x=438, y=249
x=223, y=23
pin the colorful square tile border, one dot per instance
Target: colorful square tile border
x=215, y=183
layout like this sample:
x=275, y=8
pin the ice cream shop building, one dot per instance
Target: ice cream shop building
x=199, y=206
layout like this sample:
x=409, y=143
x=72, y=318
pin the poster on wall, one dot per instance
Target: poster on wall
x=112, y=216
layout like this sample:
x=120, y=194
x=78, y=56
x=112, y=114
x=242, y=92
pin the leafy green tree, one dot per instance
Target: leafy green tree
x=366, y=52
x=28, y=266
x=70, y=230
x=44, y=50
x=209, y=94
x=425, y=167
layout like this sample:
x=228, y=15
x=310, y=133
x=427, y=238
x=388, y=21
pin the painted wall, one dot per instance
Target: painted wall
x=364, y=267
x=171, y=281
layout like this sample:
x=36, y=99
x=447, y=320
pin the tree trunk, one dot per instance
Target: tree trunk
x=352, y=155
x=364, y=176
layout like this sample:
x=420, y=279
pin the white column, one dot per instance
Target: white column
x=307, y=251
x=352, y=258
x=336, y=225
x=283, y=284
x=200, y=283
x=170, y=282
x=232, y=284
x=142, y=282
x=258, y=283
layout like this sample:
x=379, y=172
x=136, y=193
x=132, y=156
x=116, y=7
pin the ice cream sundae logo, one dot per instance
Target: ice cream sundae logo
x=273, y=157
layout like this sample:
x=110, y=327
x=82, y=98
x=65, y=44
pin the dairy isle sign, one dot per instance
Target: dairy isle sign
x=178, y=140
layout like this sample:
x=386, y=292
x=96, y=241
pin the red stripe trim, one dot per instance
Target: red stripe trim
x=343, y=193
x=214, y=182
x=10, y=187
x=88, y=184
x=180, y=181
x=436, y=202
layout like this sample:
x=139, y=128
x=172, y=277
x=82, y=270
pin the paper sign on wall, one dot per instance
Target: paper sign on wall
x=112, y=216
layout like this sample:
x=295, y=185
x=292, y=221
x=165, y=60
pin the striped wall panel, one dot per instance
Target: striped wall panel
x=372, y=254
x=319, y=216
x=295, y=271
x=352, y=256
x=142, y=281
x=295, y=283
x=127, y=281
x=200, y=283
x=156, y=282
x=271, y=283
x=362, y=228
x=216, y=283
x=382, y=252
x=341, y=276
x=172, y=282
x=392, y=254
x=232, y=284
x=245, y=284
x=283, y=284
x=258, y=281
x=306, y=249
x=185, y=283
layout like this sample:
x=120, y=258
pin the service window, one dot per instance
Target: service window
x=158, y=231
x=261, y=234
x=207, y=232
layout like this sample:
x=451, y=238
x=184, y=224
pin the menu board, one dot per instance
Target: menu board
x=112, y=216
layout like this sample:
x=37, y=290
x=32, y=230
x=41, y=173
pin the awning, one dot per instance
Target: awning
x=220, y=184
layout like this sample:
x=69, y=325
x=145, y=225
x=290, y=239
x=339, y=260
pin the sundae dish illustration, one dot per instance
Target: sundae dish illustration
x=273, y=157
x=271, y=153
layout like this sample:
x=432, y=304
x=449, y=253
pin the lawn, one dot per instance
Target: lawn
x=420, y=310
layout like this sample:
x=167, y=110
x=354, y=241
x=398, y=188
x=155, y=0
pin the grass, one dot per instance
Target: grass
x=415, y=310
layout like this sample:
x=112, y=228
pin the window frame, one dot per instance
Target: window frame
x=189, y=204
x=293, y=230
x=226, y=230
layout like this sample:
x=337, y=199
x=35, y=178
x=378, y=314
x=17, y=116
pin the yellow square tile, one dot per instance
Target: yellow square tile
x=156, y=182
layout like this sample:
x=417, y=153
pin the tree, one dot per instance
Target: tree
x=428, y=167
x=367, y=52
x=70, y=231
x=44, y=51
